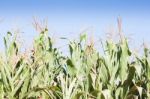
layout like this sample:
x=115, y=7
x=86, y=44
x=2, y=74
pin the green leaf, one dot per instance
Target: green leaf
x=71, y=68
x=83, y=37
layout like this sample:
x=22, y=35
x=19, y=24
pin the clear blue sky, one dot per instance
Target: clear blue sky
x=69, y=17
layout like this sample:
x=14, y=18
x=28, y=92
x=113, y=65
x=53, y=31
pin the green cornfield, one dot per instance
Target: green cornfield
x=85, y=73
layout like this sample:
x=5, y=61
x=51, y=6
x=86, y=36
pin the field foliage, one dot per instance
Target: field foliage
x=45, y=73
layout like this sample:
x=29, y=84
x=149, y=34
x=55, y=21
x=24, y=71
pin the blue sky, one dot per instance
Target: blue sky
x=70, y=17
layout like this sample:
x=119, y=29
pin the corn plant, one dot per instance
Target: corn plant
x=86, y=73
x=15, y=73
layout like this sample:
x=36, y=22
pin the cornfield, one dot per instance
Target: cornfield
x=45, y=73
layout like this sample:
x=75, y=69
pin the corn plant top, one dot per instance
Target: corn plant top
x=45, y=73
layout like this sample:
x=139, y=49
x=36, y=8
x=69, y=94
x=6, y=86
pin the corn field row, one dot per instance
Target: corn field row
x=45, y=73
